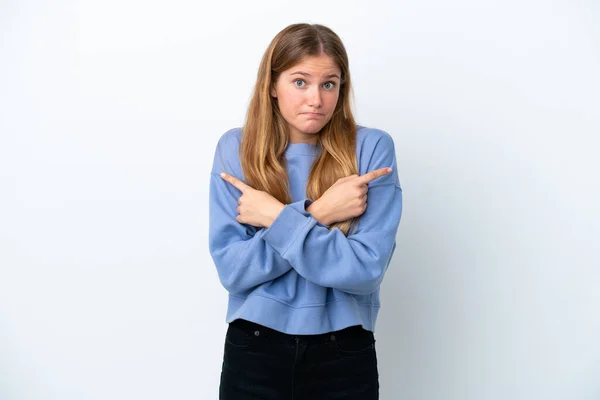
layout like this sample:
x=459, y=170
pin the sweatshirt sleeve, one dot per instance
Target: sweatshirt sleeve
x=243, y=259
x=355, y=263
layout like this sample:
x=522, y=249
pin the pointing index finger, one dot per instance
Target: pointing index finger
x=238, y=184
x=372, y=175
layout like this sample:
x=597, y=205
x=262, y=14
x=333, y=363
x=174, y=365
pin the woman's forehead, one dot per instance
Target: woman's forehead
x=315, y=66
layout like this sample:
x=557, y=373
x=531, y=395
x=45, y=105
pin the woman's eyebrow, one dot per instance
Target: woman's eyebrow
x=309, y=75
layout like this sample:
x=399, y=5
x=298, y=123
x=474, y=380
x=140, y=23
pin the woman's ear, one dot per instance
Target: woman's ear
x=273, y=92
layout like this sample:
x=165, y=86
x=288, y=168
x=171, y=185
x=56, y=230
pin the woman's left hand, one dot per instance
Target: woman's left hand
x=255, y=207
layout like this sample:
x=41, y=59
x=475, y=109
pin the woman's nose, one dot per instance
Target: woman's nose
x=315, y=97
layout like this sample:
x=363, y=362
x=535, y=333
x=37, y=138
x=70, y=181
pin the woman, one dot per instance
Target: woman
x=294, y=243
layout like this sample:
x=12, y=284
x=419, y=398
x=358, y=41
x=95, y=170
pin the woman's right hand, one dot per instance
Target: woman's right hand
x=345, y=199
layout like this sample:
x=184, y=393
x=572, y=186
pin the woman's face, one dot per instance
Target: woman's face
x=307, y=95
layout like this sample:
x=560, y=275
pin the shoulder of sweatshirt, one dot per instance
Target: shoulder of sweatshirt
x=227, y=157
x=367, y=137
x=375, y=149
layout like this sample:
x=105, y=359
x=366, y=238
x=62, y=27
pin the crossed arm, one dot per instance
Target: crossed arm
x=247, y=256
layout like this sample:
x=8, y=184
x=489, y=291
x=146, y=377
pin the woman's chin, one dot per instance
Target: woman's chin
x=310, y=129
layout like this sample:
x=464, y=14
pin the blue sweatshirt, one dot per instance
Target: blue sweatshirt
x=297, y=276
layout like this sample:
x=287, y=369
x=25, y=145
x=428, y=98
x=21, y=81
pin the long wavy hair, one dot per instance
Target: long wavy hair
x=265, y=132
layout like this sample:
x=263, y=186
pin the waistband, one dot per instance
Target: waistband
x=264, y=331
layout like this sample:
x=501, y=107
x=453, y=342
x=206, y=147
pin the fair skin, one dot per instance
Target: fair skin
x=307, y=94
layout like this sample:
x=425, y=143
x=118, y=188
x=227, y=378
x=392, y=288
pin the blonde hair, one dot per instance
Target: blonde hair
x=265, y=132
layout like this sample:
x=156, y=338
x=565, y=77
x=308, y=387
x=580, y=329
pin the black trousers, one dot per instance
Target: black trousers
x=261, y=363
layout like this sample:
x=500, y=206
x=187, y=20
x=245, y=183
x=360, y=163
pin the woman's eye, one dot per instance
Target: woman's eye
x=332, y=85
x=299, y=80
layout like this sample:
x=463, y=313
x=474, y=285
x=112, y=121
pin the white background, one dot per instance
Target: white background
x=109, y=115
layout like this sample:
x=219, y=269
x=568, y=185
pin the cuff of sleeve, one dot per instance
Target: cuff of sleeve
x=307, y=203
x=291, y=222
